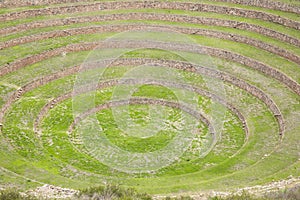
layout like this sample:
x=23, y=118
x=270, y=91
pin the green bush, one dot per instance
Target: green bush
x=287, y=194
x=11, y=194
x=111, y=192
x=243, y=196
x=179, y=198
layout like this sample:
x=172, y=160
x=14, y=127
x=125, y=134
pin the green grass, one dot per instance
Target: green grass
x=60, y=124
x=76, y=160
x=67, y=156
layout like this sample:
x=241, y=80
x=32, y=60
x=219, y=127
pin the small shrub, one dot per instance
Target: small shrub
x=288, y=194
x=179, y=198
x=243, y=196
x=111, y=192
x=11, y=194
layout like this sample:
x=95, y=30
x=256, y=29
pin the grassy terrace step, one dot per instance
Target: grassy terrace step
x=13, y=77
x=212, y=42
x=204, y=32
x=137, y=53
x=265, y=39
x=36, y=70
x=58, y=63
x=90, y=30
x=48, y=29
x=47, y=67
x=278, y=12
x=292, y=16
x=270, y=25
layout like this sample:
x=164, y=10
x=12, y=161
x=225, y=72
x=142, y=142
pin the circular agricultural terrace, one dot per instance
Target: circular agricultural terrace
x=163, y=96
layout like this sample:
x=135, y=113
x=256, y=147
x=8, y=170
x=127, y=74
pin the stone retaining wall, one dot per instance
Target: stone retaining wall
x=259, y=3
x=269, y=71
x=110, y=83
x=154, y=5
x=144, y=101
x=152, y=16
x=119, y=28
x=167, y=63
x=275, y=5
x=223, y=76
x=73, y=70
x=18, y=3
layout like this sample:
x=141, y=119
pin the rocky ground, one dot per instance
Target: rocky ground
x=54, y=192
x=257, y=190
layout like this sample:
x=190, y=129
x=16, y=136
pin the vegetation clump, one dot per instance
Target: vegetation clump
x=11, y=194
x=111, y=192
x=287, y=194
